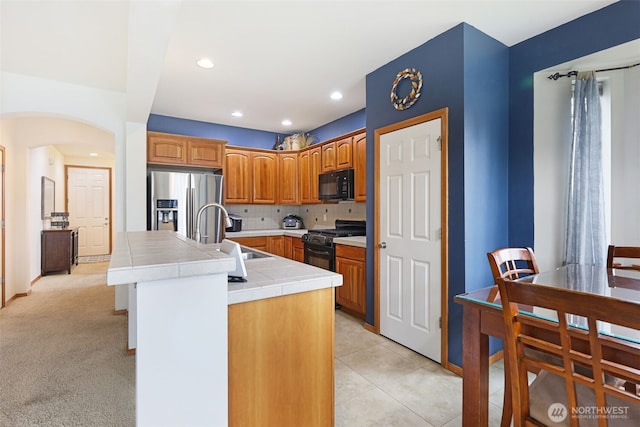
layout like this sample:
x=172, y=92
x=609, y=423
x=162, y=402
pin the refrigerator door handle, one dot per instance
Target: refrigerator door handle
x=189, y=212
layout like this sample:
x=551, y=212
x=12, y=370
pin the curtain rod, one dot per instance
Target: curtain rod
x=556, y=76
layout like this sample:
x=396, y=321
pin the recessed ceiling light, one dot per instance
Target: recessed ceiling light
x=336, y=95
x=286, y=122
x=205, y=63
x=93, y=154
x=237, y=114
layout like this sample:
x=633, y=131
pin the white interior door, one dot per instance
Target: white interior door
x=410, y=234
x=88, y=203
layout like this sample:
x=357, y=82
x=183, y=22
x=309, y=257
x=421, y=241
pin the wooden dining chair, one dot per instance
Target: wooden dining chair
x=561, y=393
x=511, y=263
x=623, y=252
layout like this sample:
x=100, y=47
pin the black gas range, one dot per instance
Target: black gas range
x=319, y=248
x=344, y=228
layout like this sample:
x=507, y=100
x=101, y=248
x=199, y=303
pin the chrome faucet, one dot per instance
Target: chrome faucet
x=228, y=221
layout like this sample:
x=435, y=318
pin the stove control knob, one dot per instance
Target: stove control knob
x=382, y=245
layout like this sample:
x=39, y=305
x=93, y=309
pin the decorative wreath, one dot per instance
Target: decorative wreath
x=416, y=84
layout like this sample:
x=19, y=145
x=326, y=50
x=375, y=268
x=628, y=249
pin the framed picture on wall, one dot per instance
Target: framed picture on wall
x=48, y=197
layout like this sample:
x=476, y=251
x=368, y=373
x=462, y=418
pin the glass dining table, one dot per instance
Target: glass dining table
x=482, y=317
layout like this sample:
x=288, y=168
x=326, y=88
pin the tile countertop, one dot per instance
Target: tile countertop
x=359, y=241
x=152, y=255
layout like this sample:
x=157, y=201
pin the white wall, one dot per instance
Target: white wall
x=626, y=175
x=37, y=112
x=48, y=162
x=552, y=145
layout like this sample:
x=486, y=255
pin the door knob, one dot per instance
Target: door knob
x=382, y=245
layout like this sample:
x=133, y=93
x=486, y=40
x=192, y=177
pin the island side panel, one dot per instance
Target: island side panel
x=281, y=360
x=181, y=354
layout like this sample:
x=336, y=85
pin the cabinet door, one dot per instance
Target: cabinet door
x=166, y=149
x=264, y=168
x=315, y=167
x=276, y=245
x=344, y=154
x=304, y=164
x=310, y=167
x=288, y=179
x=329, y=157
x=360, y=166
x=259, y=242
x=205, y=153
x=298, y=249
x=288, y=247
x=237, y=176
x=350, y=262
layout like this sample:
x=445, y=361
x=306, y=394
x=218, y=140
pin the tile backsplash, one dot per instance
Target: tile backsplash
x=267, y=217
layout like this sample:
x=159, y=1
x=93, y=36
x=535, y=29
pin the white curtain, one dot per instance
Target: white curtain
x=586, y=241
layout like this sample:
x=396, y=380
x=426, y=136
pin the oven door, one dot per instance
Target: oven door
x=320, y=256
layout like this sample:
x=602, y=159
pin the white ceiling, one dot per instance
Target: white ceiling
x=273, y=60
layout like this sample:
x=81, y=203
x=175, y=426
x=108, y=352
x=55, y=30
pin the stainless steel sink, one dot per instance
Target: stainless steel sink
x=248, y=254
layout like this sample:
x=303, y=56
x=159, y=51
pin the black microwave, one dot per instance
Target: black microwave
x=336, y=185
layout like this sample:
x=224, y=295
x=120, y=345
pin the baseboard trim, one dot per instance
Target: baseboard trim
x=371, y=328
x=16, y=296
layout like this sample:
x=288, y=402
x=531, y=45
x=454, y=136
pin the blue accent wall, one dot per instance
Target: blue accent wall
x=466, y=71
x=608, y=27
x=346, y=124
x=233, y=135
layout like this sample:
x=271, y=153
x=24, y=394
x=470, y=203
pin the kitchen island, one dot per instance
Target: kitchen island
x=272, y=337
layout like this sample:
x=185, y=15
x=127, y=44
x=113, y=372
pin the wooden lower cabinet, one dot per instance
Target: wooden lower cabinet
x=294, y=248
x=297, y=250
x=259, y=243
x=58, y=250
x=351, y=263
x=272, y=244
x=281, y=361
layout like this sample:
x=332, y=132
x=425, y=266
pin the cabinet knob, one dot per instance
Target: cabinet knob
x=382, y=245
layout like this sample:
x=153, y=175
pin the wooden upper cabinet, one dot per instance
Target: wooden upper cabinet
x=304, y=164
x=288, y=177
x=264, y=171
x=344, y=154
x=310, y=166
x=166, y=148
x=360, y=166
x=180, y=150
x=329, y=157
x=205, y=153
x=237, y=176
x=315, y=168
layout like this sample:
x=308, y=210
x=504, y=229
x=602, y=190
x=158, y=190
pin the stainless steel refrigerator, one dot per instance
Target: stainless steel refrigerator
x=174, y=199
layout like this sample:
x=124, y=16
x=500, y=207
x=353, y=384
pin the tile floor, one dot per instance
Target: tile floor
x=381, y=383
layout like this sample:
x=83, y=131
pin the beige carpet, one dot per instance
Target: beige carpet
x=62, y=355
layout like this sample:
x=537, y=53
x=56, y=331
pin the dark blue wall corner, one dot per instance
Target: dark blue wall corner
x=233, y=135
x=467, y=71
x=486, y=147
x=441, y=62
x=605, y=28
x=346, y=124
